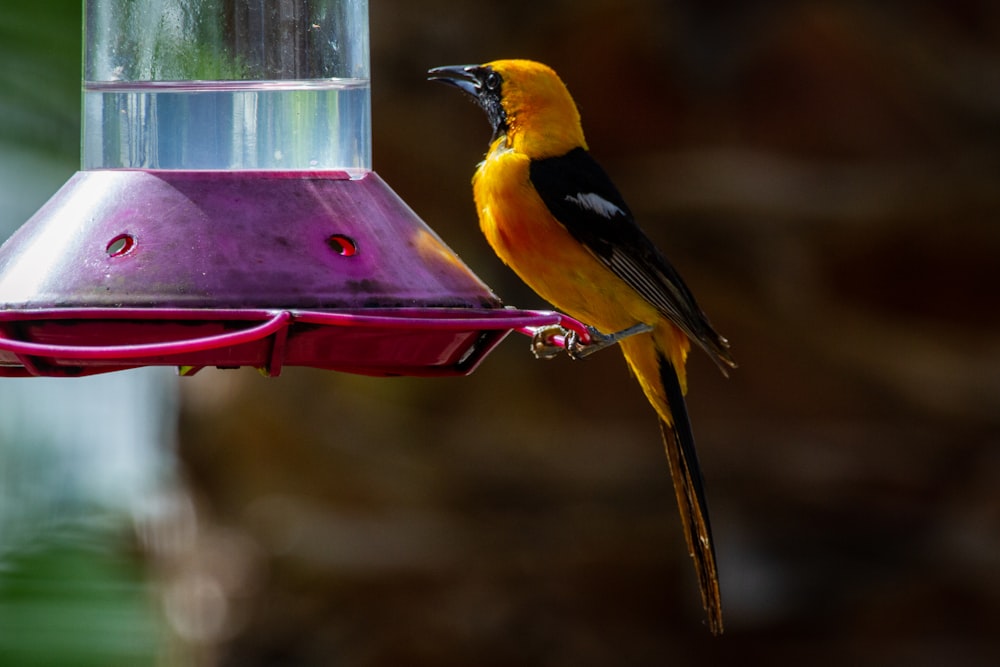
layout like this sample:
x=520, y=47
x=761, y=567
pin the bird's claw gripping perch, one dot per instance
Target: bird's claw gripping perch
x=545, y=341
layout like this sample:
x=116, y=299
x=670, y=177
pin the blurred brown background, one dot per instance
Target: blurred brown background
x=826, y=175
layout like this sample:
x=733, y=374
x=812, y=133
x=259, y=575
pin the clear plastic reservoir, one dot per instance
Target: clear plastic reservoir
x=227, y=84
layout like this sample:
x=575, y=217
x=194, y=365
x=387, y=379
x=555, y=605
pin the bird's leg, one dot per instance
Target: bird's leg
x=598, y=341
x=543, y=344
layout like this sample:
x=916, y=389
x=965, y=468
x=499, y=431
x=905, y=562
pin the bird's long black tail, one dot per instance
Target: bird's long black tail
x=678, y=440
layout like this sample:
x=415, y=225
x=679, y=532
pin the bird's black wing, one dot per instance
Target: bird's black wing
x=578, y=192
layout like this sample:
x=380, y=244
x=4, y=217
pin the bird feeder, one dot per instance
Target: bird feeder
x=227, y=214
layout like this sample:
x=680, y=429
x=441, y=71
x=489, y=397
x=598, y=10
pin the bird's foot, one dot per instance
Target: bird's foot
x=599, y=341
x=543, y=342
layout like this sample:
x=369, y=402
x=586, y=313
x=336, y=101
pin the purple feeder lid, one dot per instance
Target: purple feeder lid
x=127, y=268
x=225, y=239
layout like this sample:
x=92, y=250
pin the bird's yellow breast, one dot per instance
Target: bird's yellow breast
x=540, y=250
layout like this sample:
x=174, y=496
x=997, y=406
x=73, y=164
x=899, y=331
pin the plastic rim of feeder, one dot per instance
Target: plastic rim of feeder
x=419, y=342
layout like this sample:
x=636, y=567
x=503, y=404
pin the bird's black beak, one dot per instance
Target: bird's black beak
x=463, y=77
x=482, y=84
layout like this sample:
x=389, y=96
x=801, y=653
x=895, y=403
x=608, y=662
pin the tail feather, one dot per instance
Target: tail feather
x=678, y=440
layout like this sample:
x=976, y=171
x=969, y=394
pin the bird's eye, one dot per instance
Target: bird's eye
x=493, y=81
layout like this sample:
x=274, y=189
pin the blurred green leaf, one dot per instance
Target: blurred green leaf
x=72, y=601
x=40, y=80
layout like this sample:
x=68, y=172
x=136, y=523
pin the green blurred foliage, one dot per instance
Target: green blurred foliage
x=40, y=50
x=39, y=103
x=75, y=598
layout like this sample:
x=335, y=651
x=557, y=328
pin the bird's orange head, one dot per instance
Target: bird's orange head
x=526, y=102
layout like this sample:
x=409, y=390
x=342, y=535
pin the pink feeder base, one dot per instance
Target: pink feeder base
x=122, y=269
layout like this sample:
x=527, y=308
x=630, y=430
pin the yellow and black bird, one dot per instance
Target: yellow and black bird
x=552, y=214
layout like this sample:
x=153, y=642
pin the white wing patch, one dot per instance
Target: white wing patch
x=595, y=203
